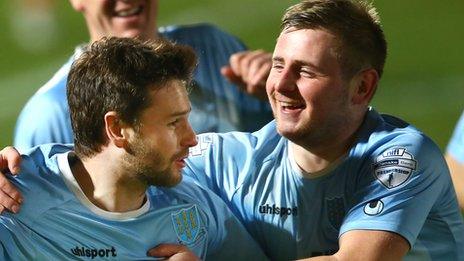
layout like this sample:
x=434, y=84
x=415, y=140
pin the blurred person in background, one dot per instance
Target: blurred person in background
x=455, y=160
x=34, y=24
x=217, y=104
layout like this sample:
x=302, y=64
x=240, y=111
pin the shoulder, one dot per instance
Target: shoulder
x=202, y=29
x=51, y=94
x=198, y=34
x=42, y=159
x=238, y=143
x=456, y=144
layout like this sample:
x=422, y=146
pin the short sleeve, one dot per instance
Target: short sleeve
x=399, y=186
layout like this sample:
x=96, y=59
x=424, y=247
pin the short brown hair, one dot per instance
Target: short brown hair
x=356, y=24
x=116, y=74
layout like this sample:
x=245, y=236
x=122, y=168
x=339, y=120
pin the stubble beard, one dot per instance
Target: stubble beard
x=142, y=163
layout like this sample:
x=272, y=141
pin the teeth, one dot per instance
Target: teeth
x=288, y=104
x=129, y=12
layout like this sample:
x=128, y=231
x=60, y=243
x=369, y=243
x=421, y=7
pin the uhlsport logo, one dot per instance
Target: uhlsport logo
x=373, y=207
x=94, y=252
x=394, y=167
x=186, y=223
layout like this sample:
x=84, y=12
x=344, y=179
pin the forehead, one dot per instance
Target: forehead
x=314, y=44
x=172, y=98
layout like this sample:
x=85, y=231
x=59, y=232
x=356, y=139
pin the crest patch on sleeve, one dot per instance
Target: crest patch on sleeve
x=394, y=167
x=204, y=141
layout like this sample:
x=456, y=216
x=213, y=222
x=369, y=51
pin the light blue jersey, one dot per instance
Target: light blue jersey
x=217, y=105
x=456, y=144
x=58, y=222
x=393, y=179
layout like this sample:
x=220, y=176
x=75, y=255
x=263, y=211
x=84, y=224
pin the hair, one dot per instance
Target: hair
x=116, y=74
x=356, y=24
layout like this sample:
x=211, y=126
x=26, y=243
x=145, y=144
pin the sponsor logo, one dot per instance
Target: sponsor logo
x=94, y=252
x=275, y=210
x=373, y=208
x=204, y=141
x=394, y=167
x=186, y=223
x=335, y=211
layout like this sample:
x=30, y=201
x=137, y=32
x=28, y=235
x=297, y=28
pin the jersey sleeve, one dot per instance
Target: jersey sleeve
x=456, y=144
x=398, y=186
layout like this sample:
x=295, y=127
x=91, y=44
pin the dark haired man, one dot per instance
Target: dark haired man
x=120, y=191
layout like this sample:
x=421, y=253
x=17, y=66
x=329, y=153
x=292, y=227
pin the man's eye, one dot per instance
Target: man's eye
x=278, y=67
x=174, y=123
x=307, y=74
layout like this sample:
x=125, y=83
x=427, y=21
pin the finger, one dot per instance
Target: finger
x=9, y=195
x=259, y=69
x=166, y=250
x=257, y=82
x=246, y=63
x=7, y=202
x=10, y=157
x=235, y=61
x=227, y=72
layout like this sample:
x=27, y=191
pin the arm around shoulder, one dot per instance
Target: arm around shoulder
x=369, y=245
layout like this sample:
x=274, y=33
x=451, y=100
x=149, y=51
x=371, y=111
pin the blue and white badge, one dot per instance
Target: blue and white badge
x=186, y=223
x=394, y=167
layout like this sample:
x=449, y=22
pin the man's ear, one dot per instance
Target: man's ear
x=365, y=85
x=117, y=131
x=77, y=5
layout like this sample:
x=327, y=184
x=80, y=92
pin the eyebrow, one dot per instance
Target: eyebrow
x=298, y=63
x=181, y=113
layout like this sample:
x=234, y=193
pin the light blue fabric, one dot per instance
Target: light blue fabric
x=217, y=105
x=456, y=144
x=57, y=222
x=394, y=178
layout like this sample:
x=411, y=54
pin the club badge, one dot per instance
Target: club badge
x=186, y=223
x=394, y=167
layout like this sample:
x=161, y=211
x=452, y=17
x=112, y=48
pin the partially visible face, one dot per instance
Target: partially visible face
x=163, y=140
x=308, y=95
x=120, y=18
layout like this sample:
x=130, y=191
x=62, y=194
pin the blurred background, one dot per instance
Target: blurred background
x=423, y=81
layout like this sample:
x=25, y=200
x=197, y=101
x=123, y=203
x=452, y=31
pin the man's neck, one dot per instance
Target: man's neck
x=106, y=186
x=318, y=157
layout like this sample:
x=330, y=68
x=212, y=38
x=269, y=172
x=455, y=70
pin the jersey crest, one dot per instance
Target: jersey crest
x=394, y=167
x=204, y=141
x=335, y=211
x=186, y=223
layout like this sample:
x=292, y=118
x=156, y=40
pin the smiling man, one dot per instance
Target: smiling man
x=332, y=177
x=120, y=191
x=217, y=104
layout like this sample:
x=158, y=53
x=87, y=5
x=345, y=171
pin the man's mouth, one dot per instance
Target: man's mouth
x=129, y=12
x=291, y=105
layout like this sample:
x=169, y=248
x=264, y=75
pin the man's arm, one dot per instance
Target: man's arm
x=369, y=245
x=457, y=175
x=10, y=198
